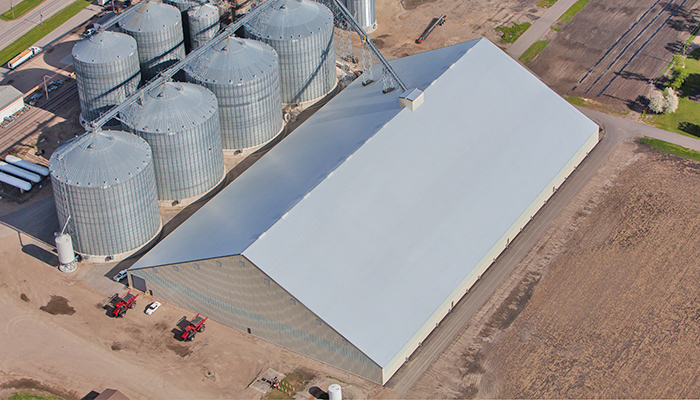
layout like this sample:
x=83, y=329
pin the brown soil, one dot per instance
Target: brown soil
x=58, y=306
x=465, y=370
x=606, y=305
x=180, y=350
x=612, y=48
x=137, y=354
x=618, y=314
x=400, y=23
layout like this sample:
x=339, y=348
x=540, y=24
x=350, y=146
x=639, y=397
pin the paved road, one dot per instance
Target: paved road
x=12, y=30
x=539, y=27
x=84, y=15
x=616, y=130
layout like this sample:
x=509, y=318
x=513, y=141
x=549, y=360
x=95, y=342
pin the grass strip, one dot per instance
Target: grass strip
x=533, y=51
x=19, y=10
x=573, y=10
x=510, y=34
x=673, y=149
x=39, y=31
x=546, y=3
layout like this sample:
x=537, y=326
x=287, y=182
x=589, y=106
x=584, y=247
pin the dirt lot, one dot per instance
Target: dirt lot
x=57, y=336
x=400, y=23
x=612, y=48
x=605, y=305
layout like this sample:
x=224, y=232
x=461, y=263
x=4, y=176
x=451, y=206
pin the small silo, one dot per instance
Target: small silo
x=180, y=122
x=183, y=6
x=364, y=13
x=157, y=28
x=204, y=24
x=244, y=76
x=105, y=182
x=107, y=71
x=301, y=31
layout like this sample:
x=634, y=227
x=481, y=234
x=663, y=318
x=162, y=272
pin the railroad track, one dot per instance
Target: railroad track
x=26, y=124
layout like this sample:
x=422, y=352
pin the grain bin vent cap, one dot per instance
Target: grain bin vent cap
x=104, y=47
x=233, y=61
x=291, y=19
x=171, y=107
x=151, y=17
x=100, y=159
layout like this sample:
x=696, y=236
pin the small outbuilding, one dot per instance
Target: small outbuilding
x=353, y=238
x=11, y=101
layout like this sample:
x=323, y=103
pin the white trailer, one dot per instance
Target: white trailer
x=22, y=57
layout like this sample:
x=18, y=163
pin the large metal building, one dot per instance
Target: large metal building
x=105, y=188
x=301, y=32
x=244, y=76
x=351, y=239
x=157, y=28
x=180, y=121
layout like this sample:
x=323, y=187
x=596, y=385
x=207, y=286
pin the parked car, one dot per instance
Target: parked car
x=120, y=275
x=152, y=308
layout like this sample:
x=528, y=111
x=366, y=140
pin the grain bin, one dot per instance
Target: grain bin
x=244, y=76
x=180, y=122
x=364, y=13
x=301, y=31
x=157, y=28
x=105, y=182
x=183, y=6
x=107, y=71
x=204, y=24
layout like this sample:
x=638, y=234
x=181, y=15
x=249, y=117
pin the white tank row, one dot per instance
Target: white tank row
x=20, y=173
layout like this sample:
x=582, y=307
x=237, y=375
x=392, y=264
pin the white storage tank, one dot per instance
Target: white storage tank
x=66, y=254
x=106, y=183
x=301, y=32
x=180, y=121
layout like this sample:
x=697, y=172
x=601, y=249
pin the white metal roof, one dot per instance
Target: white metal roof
x=8, y=95
x=389, y=209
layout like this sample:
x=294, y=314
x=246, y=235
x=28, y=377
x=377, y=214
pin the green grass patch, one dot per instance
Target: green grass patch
x=673, y=149
x=555, y=28
x=39, y=31
x=533, y=51
x=573, y=10
x=30, y=396
x=546, y=3
x=683, y=121
x=510, y=34
x=686, y=119
x=19, y=9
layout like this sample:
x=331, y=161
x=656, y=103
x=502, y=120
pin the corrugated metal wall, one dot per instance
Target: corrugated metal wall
x=233, y=291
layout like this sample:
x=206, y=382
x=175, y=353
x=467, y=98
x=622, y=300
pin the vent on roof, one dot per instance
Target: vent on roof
x=411, y=99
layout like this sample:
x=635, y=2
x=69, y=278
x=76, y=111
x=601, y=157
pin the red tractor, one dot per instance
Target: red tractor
x=125, y=302
x=196, y=325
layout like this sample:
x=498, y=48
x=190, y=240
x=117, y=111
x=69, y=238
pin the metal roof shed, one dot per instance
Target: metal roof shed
x=397, y=212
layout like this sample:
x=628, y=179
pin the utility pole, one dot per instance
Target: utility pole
x=12, y=8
